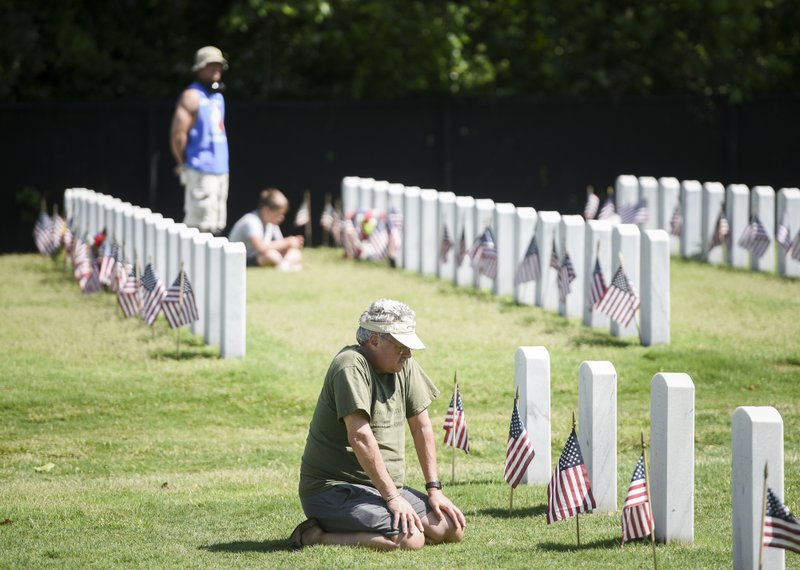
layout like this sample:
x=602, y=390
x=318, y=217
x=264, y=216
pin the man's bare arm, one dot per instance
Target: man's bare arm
x=182, y=121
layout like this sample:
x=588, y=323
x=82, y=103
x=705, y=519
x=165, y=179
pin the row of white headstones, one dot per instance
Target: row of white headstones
x=757, y=439
x=700, y=205
x=215, y=267
x=427, y=212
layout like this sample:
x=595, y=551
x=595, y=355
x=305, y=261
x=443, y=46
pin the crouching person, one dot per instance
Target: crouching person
x=260, y=232
x=352, y=472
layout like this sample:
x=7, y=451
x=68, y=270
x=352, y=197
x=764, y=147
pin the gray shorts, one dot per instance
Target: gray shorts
x=348, y=507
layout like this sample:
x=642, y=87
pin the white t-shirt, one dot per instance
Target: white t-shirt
x=250, y=225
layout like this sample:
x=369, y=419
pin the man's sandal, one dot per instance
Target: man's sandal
x=296, y=538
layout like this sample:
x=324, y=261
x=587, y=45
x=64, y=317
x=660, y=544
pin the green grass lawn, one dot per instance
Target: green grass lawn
x=117, y=450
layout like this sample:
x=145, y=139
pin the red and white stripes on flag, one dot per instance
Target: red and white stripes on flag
x=783, y=234
x=152, y=295
x=529, y=269
x=379, y=241
x=607, y=211
x=566, y=275
x=676, y=221
x=598, y=285
x=620, y=301
x=108, y=262
x=455, y=424
x=569, y=491
x=592, y=205
x=129, y=296
x=180, y=309
x=637, y=520
x=781, y=529
x=635, y=213
x=446, y=245
x=519, y=450
x=721, y=231
x=484, y=254
x=795, y=251
x=755, y=238
x=303, y=214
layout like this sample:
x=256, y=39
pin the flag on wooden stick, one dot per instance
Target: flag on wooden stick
x=592, y=204
x=519, y=450
x=153, y=294
x=781, y=528
x=129, y=296
x=620, y=301
x=179, y=305
x=455, y=424
x=569, y=491
x=637, y=520
x=529, y=269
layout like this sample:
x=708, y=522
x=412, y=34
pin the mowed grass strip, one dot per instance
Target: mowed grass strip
x=117, y=450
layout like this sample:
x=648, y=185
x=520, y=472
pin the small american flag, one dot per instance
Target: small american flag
x=569, y=491
x=795, y=251
x=519, y=450
x=598, y=287
x=107, y=262
x=637, y=521
x=379, y=241
x=90, y=279
x=484, y=254
x=153, y=294
x=566, y=275
x=303, y=214
x=635, y=213
x=455, y=424
x=591, y=206
x=326, y=219
x=608, y=210
x=676, y=221
x=446, y=245
x=529, y=268
x=620, y=301
x=129, y=296
x=783, y=234
x=755, y=238
x=57, y=229
x=42, y=233
x=180, y=309
x=721, y=231
x=781, y=529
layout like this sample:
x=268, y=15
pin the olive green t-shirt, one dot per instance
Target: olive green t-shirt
x=350, y=385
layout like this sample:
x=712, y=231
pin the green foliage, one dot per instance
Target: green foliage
x=356, y=49
x=117, y=450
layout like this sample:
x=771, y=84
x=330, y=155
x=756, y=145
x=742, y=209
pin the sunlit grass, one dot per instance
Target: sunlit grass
x=163, y=458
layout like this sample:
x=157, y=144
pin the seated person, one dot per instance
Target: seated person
x=260, y=232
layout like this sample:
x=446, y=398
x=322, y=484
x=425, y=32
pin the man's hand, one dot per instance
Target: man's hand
x=441, y=506
x=404, y=518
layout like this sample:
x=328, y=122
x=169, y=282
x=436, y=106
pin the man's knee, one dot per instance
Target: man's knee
x=410, y=541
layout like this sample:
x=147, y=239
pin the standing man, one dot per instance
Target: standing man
x=199, y=144
x=353, y=468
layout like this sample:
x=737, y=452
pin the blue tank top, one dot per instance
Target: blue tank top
x=207, y=147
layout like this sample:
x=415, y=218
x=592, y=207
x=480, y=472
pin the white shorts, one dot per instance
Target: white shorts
x=205, y=200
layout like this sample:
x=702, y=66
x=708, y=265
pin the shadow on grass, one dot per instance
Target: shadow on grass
x=248, y=546
x=185, y=353
x=515, y=514
x=604, y=339
x=571, y=547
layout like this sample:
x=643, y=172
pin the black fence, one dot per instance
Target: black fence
x=534, y=152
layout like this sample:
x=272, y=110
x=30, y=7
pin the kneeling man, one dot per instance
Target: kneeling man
x=353, y=468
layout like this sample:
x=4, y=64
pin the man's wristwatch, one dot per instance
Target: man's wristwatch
x=433, y=485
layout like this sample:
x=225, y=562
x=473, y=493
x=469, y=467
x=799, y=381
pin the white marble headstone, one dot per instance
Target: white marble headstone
x=532, y=376
x=655, y=307
x=465, y=227
x=762, y=204
x=672, y=414
x=597, y=434
x=234, y=300
x=546, y=235
x=504, y=223
x=350, y=195
x=571, y=236
x=411, y=229
x=713, y=201
x=429, y=243
x=691, y=210
x=484, y=216
x=757, y=439
x=597, y=245
x=789, y=212
x=626, y=240
x=668, y=199
x=737, y=210
x=447, y=219
x=524, y=293
x=648, y=191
